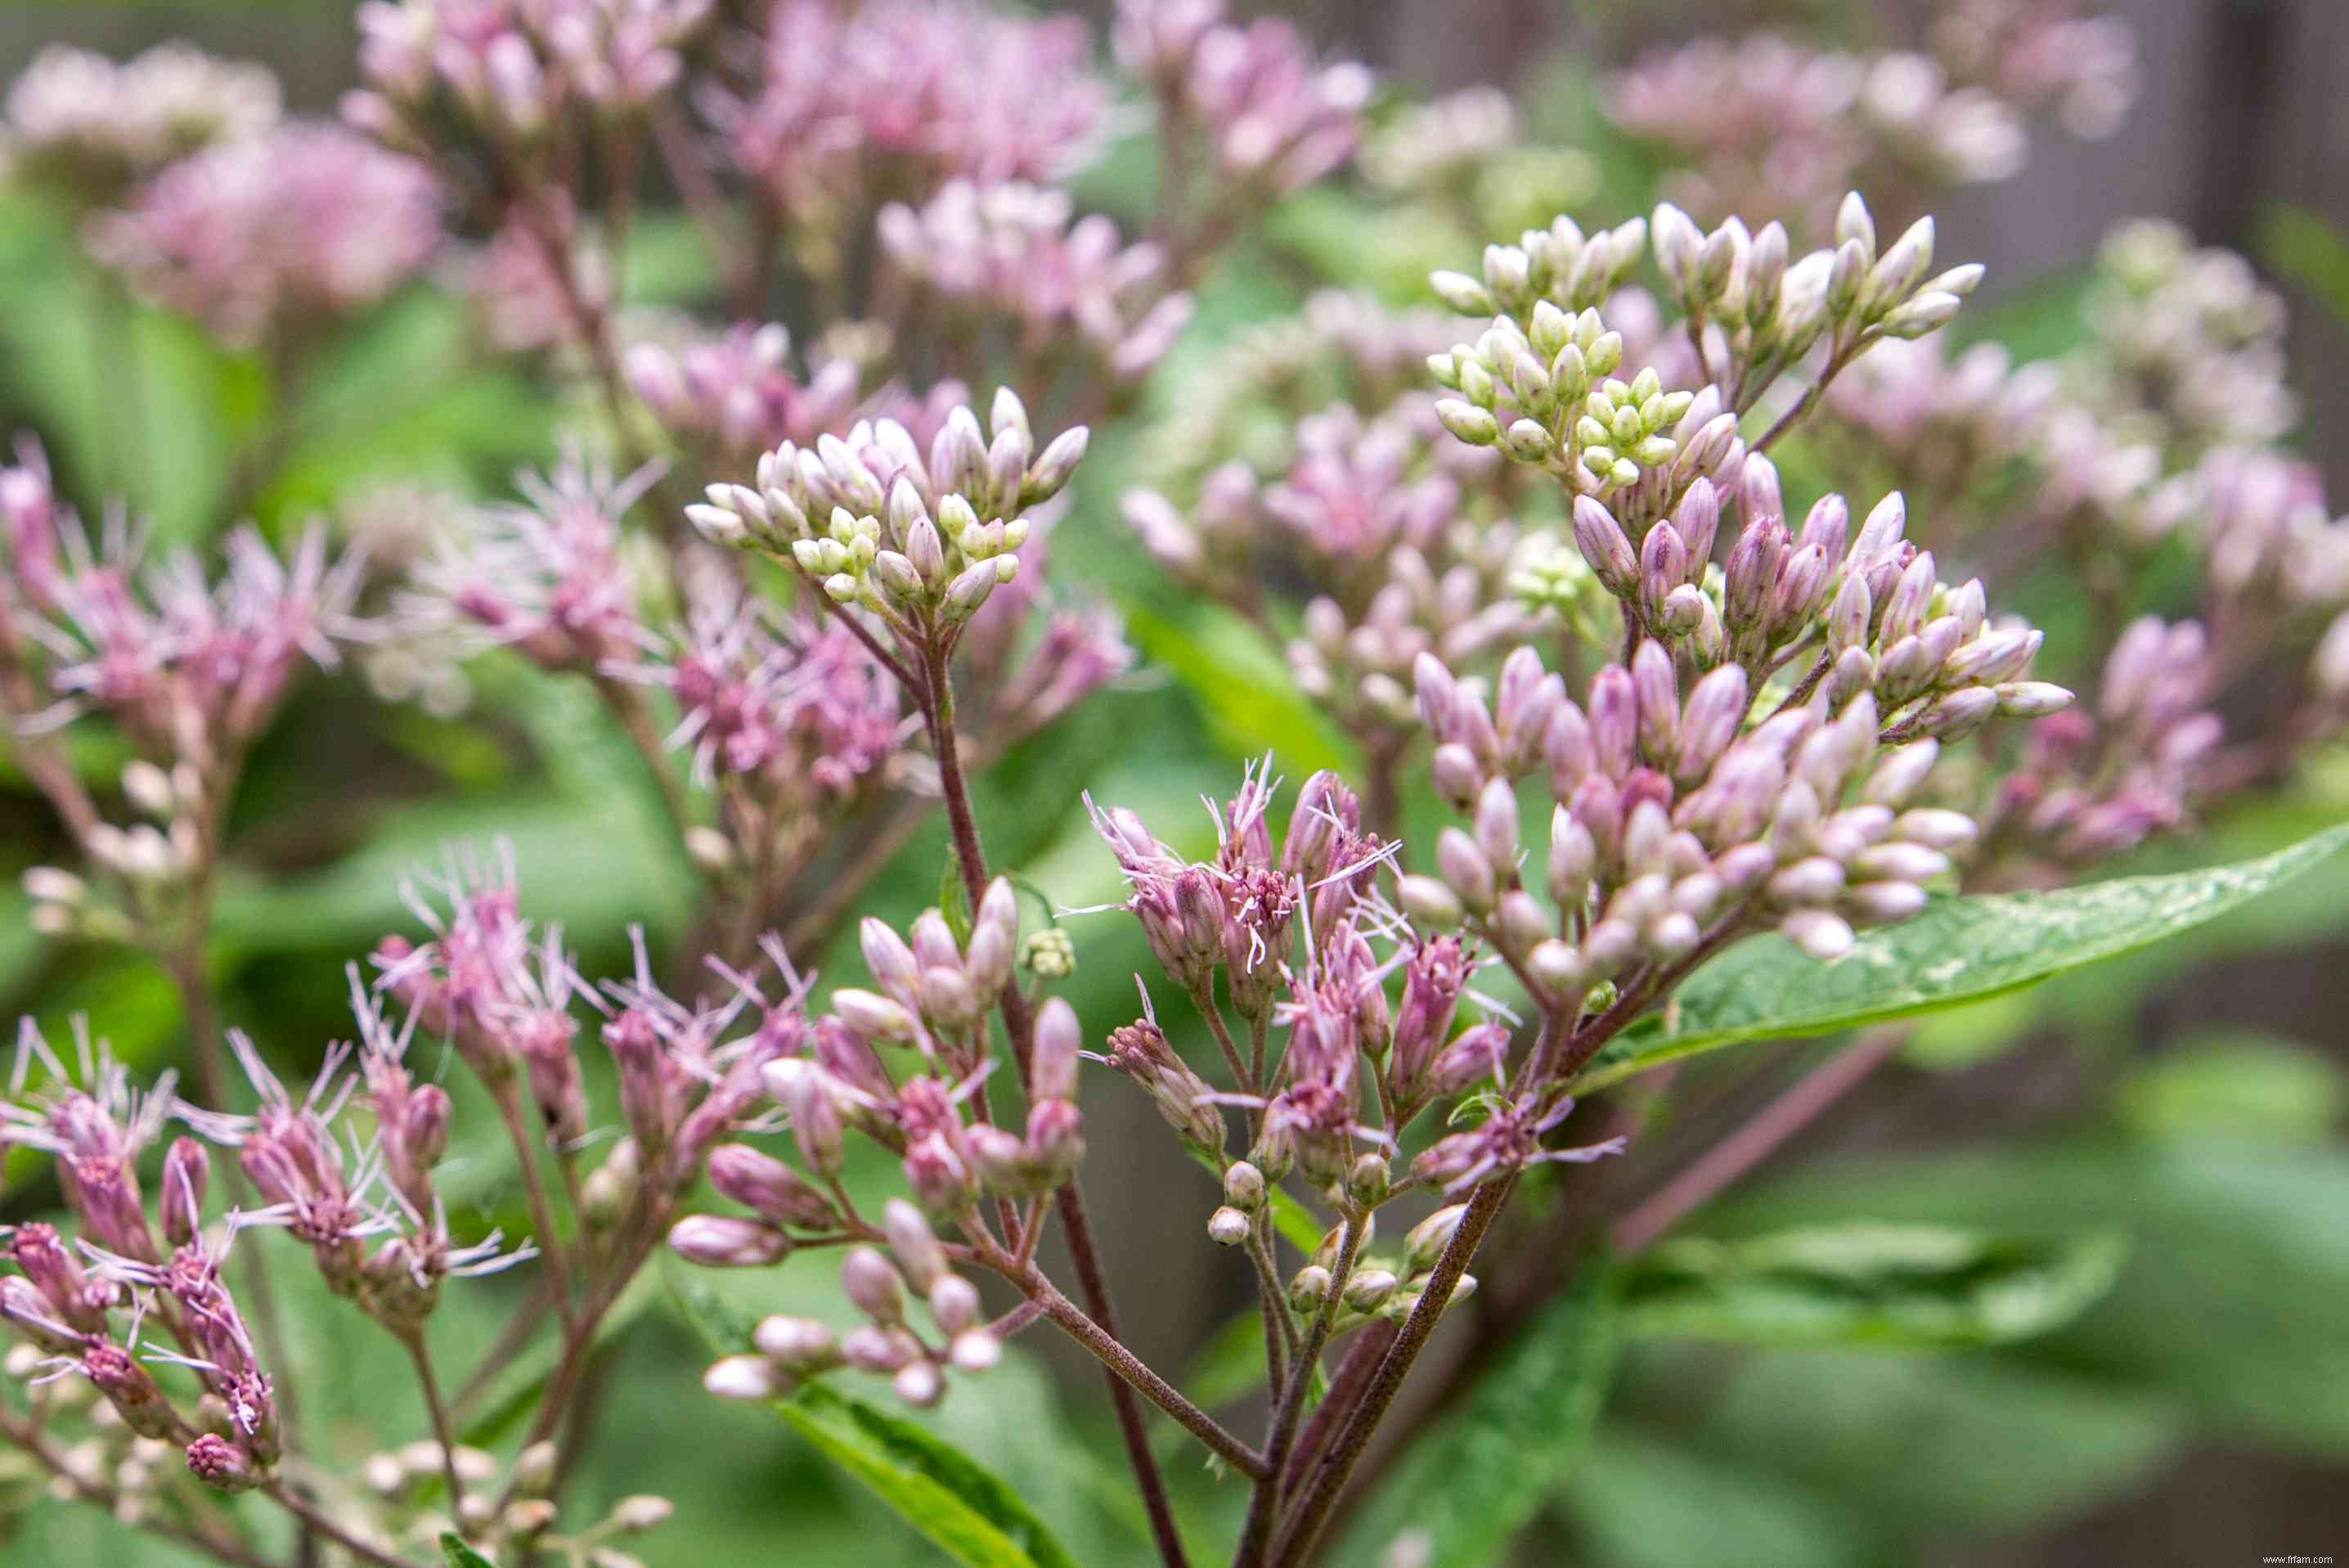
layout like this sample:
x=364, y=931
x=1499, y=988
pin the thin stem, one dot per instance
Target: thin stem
x=185, y=964
x=1808, y=685
x=443, y=1429
x=525, y=1323
x=690, y=174
x=319, y=1524
x=1280, y=1342
x=636, y=720
x=1204, y=999
x=1810, y=398
x=1370, y=1346
x=897, y=668
x=1020, y=1024
x=1729, y=1160
x=1078, y=1229
x=1016, y=1320
x=1329, y=1476
x=1557, y=1055
x=1255, y=1534
x=1030, y=1231
x=1130, y=1370
x=542, y=1214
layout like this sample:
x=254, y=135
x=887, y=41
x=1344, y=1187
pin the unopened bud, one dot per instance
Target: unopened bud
x=634, y=1515
x=724, y=1241
x=744, y=1378
x=1426, y=1240
x=1244, y=1186
x=1368, y=1290
x=1308, y=1287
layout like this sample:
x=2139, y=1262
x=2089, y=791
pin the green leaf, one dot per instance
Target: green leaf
x=2231, y=1299
x=2312, y=253
x=1928, y=1449
x=2236, y=1086
x=1481, y=1476
x=1250, y=702
x=1636, y=1502
x=1958, y=951
x=460, y=1555
x=964, y=1509
x=954, y=902
x=1865, y=1283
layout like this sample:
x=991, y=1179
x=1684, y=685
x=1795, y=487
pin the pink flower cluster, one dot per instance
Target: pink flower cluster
x=919, y=92
x=265, y=236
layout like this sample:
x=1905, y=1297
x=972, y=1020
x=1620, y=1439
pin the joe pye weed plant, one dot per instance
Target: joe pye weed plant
x=1653, y=580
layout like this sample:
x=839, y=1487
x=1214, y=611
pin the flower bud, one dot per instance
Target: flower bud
x=804, y=1092
x=1466, y=870
x=800, y=1345
x=187, y=1172
x=1227, y=1227
x=1428, y=902
x=970, y=589
x=724, y=1241
x=222, y=1465
x=1426, y=1240
x=1368, y=1290
x=1308, y=1287
x=1056, y=465
x=750, y=1377
x=634, y=1515
x=872, y=1016
x=872, y=1285
x=1468, y=422
x=1054, y=1070
x=975, y=1351
x=776, y=1192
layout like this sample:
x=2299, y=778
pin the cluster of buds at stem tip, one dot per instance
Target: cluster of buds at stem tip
x=1538, y=382
x=1678, y=821
x=919, y=540
x=1842, y=614
x=788, y=1351
x=1545, y=392
x=1771, y=310
x=1012, y=251
x=1273, y=119
x=936, y=994
x=936, y=991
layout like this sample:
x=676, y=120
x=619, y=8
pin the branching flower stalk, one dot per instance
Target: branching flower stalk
x=1546, y=577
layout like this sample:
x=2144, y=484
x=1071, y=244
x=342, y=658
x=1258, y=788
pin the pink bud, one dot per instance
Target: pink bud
x=723, y=1241
x=1059, y=1037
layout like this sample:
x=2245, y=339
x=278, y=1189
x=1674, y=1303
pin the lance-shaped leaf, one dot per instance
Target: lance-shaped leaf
x=1488, y=1468
x=1958, y=951
x=459, y=1555
x=960, y=1506
x=1892, y=1285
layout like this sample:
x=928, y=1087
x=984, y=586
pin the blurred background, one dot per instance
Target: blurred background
x=2192, y=1097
